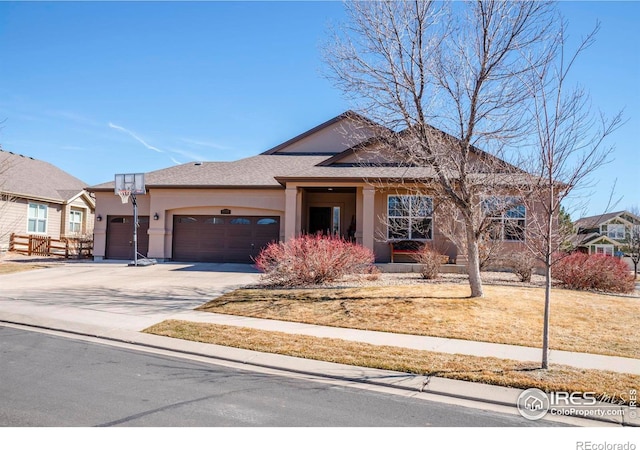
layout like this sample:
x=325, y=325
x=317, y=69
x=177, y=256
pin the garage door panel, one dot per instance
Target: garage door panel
x=222, y=238
x=120, y=237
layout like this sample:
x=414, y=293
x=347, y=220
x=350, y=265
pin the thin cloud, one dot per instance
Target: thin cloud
x=137, y=138
x=209, y=144
x=189, y=154
x=72, y=116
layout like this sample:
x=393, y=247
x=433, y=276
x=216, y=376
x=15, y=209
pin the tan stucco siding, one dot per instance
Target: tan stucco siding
x=374, y=154
x=109, y=204
x=170, y=202
x=382, y=249
x=332, y=139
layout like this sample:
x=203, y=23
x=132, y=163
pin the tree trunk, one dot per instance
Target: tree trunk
x=547, y=305
x=473, y=264
x=548, y=259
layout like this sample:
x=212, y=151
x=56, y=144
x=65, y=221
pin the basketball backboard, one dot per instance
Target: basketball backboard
x=133, y=182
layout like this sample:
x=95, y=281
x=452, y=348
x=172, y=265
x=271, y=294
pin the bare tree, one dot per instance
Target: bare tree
x=569, y=147
x=632, y=249
x=450, y=76
x=490, y=243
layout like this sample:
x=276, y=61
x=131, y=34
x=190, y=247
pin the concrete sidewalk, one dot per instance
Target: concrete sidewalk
x=434, y=344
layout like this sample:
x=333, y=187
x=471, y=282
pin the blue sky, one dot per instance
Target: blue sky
x=99, y=88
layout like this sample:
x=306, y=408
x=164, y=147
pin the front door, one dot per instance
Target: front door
x=319, y=220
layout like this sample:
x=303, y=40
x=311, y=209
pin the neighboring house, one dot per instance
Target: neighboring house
x=38, y=198
x=605, y=234
x=317, y=182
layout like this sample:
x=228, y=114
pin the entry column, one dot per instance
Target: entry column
x=290, y=212
x=368, y=216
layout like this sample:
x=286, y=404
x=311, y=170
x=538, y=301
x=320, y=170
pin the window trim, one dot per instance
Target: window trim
x=37, y=218
x=617, y=228
x=75, y=212
x=604, y=248
x=410, y=219
x=504, y=219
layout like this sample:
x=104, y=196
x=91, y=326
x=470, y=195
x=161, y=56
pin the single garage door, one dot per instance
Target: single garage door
x=222, y=238
x=120, y=236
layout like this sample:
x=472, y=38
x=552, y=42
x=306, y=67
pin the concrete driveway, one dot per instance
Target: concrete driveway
x=115, y=295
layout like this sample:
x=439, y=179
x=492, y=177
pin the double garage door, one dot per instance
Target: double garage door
x=222, y=238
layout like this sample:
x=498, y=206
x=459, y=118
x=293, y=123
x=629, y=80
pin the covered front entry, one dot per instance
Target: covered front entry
x=329, y=211
x=120, y=237
x=236, y=239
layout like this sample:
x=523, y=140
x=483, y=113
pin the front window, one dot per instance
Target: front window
x=615, y=231
x=604, y=249
x=37, y=218
x=75, y=221
x=507, y=216
x=410, y=217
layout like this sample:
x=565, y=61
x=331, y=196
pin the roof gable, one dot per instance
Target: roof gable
x=386, y=150
x=329, y=138
x=595, y=221
x=602, y=239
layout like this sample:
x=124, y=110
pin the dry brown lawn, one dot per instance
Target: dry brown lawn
x=580, y=321
x=12, y=267
x=501, y=372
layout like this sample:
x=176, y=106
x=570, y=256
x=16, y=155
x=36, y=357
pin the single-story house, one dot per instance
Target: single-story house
x=315, y=182
x=605, y=233
x=38, y=198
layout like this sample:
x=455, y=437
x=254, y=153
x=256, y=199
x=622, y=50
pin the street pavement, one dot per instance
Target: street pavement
x=115, y=301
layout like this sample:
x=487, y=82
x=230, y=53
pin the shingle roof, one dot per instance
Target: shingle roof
x=369, y=172
x=264, y=171
x=256, y=171
x=23, y=176
x=271, y=168
x=594, y=221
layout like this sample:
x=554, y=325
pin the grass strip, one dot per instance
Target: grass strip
x=581, y=322
x=608, y=385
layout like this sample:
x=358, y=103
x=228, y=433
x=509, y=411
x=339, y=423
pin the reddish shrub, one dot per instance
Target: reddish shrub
x=596, y=272
x=309, y=260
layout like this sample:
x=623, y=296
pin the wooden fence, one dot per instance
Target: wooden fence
x=46, y=246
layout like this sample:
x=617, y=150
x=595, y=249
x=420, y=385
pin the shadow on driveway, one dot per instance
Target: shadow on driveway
x=216, y=267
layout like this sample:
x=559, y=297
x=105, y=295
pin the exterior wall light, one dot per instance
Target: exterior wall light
x=156, y=216
x=99, y=218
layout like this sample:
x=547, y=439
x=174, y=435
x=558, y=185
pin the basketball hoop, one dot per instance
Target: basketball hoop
x=131, y=185
x=124, y=195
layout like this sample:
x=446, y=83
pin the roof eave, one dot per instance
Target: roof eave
x=16, y=195
x=194, y=186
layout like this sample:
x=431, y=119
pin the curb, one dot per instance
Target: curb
x=418, y=384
